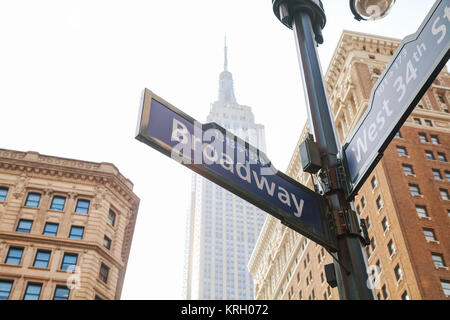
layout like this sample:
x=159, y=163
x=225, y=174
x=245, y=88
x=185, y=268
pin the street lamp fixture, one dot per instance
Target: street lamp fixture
x=370, y=9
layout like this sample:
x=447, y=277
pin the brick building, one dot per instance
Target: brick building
x=66, y=227
x=405, y=200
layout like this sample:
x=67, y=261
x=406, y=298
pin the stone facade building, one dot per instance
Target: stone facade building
x=66, y=227
x=405, y=201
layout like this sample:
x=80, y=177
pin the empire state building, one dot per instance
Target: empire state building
x=222, y=228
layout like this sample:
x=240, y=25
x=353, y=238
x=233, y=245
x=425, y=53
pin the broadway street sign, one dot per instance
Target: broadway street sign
x=415, y=65
x=232, y=163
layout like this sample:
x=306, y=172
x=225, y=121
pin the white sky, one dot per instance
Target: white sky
x=72, y=72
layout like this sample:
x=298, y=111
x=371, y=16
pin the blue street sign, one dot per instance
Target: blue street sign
x=232, y=163
x=417, y=62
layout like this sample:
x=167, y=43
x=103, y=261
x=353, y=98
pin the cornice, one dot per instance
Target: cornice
x=54, y=168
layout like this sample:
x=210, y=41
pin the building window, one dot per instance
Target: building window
x=104, y=271
x=391, y=247
x=300, y=295
x=444, y=194
x=408, y=169
x=446, y=287
x=58, y=203
x=3, y=193
x=69, y=261
x=50, y=229
x=401, y=151
x=379, y=203
x=24, y=226
x=422, y=211
x=398, y=135
x=447, y=175
x=111, y=217
x=434, y=139
x=438, y=260
x=33, y=291
x=107, y=242
x=33, y=200
x=429, y=155
x=398, y=273
x=76, y=232
x=61, y=293
x=363, y=202
x=368, y=222
x=82, y=206
x=429, y=234
x=442, y=157
x=423, y=137
x=385, y=224
x=437, y=174
x=373, y=244
x=414, y=189
x=14, y=255
x=358, y=209
x=5, y=289
x=384, y=291
x=417, y=121
x=374, y=182
x=405, y=296
x=378, y=264
x=42, y=259
x=428, y=123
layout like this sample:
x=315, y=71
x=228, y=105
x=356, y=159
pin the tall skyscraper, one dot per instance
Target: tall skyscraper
x=222, y=228
x=405, y=201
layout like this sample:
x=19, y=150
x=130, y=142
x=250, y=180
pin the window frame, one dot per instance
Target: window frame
x=442, y=157
x=419, y=207
x=101, y=276
x=404, y=151
x=67, y=254
x=77, y=207
x=28, y=201
x=58, y=208
x=24, y=220
x=441, y=257
x=113, y=222
x=5, y=196
x=408, y=166
x=414, y=186
x=109, y=241
x=21, y=249
x=430, y=155
x=432, y=232
x=76, y=237
x=5, y=281
x=48, y=224
x=32, y=294
x=61, y=287
x=40, y=251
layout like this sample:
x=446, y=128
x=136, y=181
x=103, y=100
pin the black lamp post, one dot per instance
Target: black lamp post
x=307, y=19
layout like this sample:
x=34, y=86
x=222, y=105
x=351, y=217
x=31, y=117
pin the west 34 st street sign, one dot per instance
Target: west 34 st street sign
x=234, y=164
x=418, y=60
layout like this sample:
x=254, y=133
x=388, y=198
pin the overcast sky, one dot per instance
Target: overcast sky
x=72, y=72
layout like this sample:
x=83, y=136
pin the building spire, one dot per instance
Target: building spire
x=226, y=87
x=225, y=64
